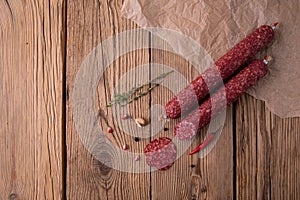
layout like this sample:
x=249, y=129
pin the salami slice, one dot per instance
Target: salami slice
x=197, y=90
x=160, y=153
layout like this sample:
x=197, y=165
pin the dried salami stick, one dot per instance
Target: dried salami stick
x=235, y=87
x=189, y=97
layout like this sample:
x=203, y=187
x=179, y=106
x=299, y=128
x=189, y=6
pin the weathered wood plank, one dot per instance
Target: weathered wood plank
x=31, y=123
x=190, y=177
x=250, y=127
x=174, y=182
x=285, y=158
x=217, y=169
x=267, y=158
x=89, y=23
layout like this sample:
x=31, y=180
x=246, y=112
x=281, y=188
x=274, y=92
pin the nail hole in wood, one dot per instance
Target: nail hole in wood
x=13, y=196
x=203, y=189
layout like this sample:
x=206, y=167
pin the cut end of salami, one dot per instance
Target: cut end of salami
x=173, y=109
x=160, y=153
x=185, y=130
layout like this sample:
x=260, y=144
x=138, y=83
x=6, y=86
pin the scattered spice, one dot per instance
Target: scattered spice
x=203, y=144
x=137, y=158
x=128, y=97
x=193, y=166
x=124, y=117
x=140, y=122
x=136, y=139
x=125, y=147
x=166, y=129
x=163, y=117
x=110, y=130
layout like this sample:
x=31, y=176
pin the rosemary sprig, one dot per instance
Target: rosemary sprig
x=128, y=97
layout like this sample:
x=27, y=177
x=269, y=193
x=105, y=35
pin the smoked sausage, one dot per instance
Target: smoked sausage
x=188, y=98
x=235, y=87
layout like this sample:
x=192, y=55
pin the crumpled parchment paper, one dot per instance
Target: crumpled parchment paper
x=218, y=25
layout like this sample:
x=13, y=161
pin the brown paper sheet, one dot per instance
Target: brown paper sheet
x=218, y=25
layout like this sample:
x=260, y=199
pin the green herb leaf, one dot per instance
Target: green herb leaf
x=126, y=97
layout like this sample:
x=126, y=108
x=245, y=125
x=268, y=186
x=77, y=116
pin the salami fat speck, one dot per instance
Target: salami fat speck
x=189, y=97
x=160, y=153
x=235, y=87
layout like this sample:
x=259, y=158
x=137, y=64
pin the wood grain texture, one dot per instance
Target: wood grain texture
x=173, y=183
x=267, y=160
x=190, y=177
x=256, y=157
x=285, y=158
x=31, y=103
x=89, y=23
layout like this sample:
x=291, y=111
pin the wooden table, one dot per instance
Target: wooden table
x=43, y=44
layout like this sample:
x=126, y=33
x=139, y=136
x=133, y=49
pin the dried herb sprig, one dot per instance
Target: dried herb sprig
x=128, y=97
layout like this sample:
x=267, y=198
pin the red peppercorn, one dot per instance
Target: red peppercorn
x=124, y=117
x=125, y=147
x=137, y=158
x=110, y=130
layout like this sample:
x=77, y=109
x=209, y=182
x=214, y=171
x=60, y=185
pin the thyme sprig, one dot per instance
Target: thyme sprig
x=135, y=92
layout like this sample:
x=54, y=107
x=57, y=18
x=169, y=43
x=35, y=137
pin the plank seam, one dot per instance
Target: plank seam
x=65, y=98
x=234, y=173
x=150, y=100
